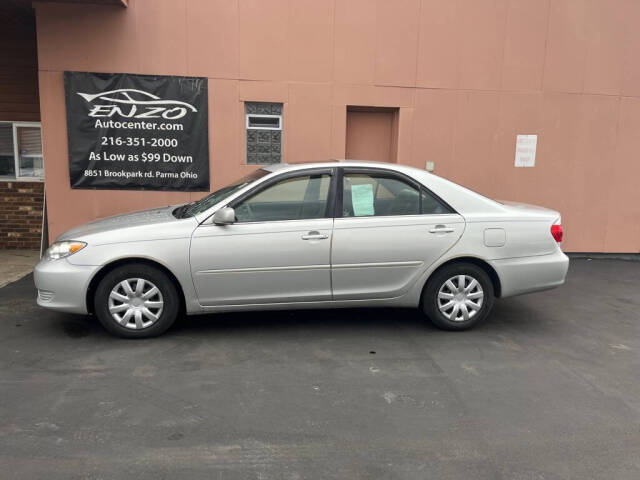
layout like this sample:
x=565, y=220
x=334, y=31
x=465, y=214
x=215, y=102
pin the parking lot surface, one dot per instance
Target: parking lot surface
x=548, y=388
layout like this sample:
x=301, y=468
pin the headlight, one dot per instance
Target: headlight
x=63, y=249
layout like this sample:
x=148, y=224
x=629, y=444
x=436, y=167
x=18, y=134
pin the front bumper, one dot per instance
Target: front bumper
x=63, y=286
x=531, y=274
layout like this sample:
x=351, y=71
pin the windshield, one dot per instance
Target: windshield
x=199, y=206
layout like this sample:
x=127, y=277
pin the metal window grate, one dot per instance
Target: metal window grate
x=264, y=132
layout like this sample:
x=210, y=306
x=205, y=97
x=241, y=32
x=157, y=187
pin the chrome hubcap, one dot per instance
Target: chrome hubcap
x=135, y=303
x=460, y=298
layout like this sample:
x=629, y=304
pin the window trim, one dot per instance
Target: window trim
x=251, y=115
x=389, y=174
x=286, y=176
x=16, y=157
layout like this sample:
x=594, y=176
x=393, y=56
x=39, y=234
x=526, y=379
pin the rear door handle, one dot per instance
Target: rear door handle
x=315, y=235
x=441, y=229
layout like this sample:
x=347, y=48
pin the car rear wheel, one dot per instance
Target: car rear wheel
x=136, y=301
x=458, y=297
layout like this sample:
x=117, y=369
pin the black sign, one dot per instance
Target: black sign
x=137, y=132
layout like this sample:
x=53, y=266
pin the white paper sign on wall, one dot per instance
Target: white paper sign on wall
x=526, y=150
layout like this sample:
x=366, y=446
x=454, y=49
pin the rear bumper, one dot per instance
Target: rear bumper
x=531, y=274
x=63, y=286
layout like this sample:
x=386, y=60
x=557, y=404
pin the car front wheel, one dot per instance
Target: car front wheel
x=136, y=301
x=458, y=297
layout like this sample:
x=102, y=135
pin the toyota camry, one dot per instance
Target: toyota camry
x=323, y=235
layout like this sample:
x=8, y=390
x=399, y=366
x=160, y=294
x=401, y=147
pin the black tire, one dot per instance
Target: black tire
x=169, y=297
x=437, y=281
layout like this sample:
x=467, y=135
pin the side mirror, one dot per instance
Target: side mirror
x=224, y=216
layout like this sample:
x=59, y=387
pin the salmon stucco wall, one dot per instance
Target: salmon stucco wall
x=466, y=76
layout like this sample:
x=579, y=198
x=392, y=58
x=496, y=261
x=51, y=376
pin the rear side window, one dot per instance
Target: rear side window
x=366, y=195
x=432, y=205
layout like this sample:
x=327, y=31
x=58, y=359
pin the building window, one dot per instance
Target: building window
x=21, y=151
x=264, y=132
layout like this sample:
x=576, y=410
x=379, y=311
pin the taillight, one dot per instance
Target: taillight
x=556, y=232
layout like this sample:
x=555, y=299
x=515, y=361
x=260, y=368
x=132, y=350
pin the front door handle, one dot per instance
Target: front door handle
x=441, y=229
x=315, y=235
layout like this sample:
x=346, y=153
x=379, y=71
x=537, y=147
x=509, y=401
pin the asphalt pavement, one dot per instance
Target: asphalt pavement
x=548, y=388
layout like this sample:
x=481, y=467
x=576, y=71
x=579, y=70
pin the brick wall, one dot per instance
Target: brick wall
x=21, y=214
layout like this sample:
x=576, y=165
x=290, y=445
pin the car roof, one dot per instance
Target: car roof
x=282, y=167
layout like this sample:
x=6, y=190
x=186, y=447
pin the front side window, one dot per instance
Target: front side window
x=366, y=195
x=21, y=150
x=296, y=198
x=205, y=203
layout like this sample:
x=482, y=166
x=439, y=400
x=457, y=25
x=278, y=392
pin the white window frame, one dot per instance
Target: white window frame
x=16, y=156
x=252, y=115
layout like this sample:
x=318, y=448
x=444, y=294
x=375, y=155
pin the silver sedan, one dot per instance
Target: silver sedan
x=324, y=235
